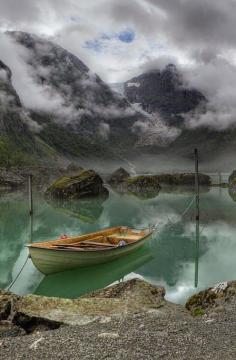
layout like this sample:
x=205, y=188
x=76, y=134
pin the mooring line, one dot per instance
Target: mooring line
x=17, y=276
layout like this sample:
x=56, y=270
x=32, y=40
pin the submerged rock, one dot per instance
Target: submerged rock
x=83, y=185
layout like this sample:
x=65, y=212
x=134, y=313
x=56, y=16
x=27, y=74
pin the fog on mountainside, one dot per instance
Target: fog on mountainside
x=64, y=111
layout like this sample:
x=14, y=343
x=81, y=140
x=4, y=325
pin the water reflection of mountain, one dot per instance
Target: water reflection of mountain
x=172, y=250
x=87, y=210
x=74, y=283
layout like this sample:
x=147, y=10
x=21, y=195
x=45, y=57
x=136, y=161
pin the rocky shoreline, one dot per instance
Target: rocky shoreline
x=129, y=320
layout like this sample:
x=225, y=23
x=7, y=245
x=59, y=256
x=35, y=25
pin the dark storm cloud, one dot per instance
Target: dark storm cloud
x=199, y=23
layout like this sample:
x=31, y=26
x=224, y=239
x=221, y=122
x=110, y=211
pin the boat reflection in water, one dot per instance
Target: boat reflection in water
x=74, y=283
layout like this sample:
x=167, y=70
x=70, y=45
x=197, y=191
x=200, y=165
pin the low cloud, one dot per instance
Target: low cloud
x=216, y=79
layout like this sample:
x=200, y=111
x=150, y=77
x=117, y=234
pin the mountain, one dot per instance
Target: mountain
x=61, y=110
x=163, y=92
x=163, y=96
x=84, y=114
x=17, y=143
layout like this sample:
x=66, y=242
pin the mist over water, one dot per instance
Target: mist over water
x=169, y=163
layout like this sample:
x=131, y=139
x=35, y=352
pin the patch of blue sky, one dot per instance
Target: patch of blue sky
x=99, y=43
x=126, y=36
x=95, y=44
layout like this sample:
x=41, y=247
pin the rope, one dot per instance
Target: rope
x=188, y=207
x=17, y=276
x=170, y=223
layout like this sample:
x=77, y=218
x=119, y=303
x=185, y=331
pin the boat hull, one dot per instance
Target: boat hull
x=49, y=261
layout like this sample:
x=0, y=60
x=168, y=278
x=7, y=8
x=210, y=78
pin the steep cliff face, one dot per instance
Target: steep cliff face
x=163, y=92
x=83, y=103
x=13, y=129
x=19, y=143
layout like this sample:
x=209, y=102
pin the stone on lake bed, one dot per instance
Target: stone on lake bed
x=83, y=185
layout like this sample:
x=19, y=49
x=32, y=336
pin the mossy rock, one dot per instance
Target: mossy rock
x=143, y=186
x=83, y=185
x=222, y=295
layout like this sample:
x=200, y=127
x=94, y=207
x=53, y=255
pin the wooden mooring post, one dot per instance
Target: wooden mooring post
x=31, y=206
x=197, y=217
x=30, y=195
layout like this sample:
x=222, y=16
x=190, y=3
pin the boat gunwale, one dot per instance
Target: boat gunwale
x=32, y=246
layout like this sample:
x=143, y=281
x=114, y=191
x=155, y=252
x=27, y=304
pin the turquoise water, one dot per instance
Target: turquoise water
x=170, y=259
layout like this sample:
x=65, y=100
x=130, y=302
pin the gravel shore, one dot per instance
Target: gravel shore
x=147, y=327
x=145, y=336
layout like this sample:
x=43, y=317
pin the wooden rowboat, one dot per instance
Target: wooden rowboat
x=84, y=250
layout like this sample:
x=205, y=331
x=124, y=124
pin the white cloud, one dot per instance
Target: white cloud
x=197, y=34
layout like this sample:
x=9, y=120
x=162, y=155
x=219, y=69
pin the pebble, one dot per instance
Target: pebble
x=108, y=335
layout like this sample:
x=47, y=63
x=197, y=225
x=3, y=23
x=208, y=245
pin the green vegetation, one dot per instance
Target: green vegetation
x=65, y=181
x=11, y=155
x=198, y=312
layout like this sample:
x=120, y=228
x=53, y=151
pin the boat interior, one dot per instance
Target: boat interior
x=101, y=240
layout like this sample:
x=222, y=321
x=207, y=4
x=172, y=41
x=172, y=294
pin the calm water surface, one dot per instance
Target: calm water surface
x=170, y=259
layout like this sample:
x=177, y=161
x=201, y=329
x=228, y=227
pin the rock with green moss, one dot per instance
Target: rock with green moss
x=142, y=186
x=218, y=298
x=83, y=185
x=37, y=313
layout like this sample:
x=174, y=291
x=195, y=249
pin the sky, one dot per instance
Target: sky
x=119, y=39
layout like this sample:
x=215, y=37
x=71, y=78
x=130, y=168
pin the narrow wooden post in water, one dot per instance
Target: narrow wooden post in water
x=197, y=217
x=30, y=195
x=220, y=182
x=31, y=209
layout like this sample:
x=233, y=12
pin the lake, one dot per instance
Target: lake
x=170, y=259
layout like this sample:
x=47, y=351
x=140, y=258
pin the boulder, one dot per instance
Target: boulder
x=83, y=185
x=118, y=176
x=38, y=313
x=220, y=297
x=142, y=186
